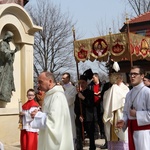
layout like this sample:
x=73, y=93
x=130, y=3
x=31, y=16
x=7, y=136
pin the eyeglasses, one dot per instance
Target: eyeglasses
x=134, y=74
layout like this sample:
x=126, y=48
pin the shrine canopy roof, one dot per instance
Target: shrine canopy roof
x=118, y=46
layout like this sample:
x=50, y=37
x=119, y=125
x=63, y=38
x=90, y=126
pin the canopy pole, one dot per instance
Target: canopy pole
x=77, y=68
x=109, y=55
x=129, y=45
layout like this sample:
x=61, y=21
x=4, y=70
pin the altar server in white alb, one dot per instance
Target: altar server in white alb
x=113, y=103
x=70, y=93
x=28, y=136
x=54, y=121
x=137, y=112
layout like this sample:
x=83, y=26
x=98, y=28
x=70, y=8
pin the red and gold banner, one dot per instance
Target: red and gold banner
x=117, y=45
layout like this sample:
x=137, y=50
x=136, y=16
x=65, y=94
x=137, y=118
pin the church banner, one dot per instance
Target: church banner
x=121, y=46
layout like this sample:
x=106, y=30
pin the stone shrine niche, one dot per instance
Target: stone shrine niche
x=14, y=18
x=23, y=29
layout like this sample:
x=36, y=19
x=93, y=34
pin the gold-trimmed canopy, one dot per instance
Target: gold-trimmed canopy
x=121, y=46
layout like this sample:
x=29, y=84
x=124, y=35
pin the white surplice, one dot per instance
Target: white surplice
x=140, y=96
x=113, y=103
x=70, y=93
x=26, y=119
x=54, y=122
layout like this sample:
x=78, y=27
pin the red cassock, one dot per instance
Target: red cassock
x=29, y=139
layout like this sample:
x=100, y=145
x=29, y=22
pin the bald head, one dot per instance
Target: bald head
x=46, y=81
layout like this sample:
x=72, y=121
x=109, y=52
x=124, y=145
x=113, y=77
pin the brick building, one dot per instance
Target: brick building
x=138, y=25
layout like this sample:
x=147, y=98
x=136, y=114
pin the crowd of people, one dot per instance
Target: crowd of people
x=61, y=116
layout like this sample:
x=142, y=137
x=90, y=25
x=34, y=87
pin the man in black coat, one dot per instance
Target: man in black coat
x=84, y=110
x=95, y=86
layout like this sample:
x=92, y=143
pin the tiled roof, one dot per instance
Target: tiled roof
x=141, y=18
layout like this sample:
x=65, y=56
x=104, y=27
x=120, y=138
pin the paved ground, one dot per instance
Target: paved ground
x=97, y=142
x=16, y=146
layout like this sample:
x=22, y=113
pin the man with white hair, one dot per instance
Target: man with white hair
x=113, y=102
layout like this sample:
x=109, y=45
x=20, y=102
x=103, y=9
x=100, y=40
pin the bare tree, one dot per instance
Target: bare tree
x=53, y=47
x=139, y=6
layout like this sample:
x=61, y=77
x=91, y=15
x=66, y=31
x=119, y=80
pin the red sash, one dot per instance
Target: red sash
x=133, y=126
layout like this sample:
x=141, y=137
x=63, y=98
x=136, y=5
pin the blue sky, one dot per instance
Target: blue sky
x=90, y=13
x=95, y=16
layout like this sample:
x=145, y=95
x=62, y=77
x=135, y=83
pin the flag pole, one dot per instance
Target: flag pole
x=77, y=69
x=129, y=45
